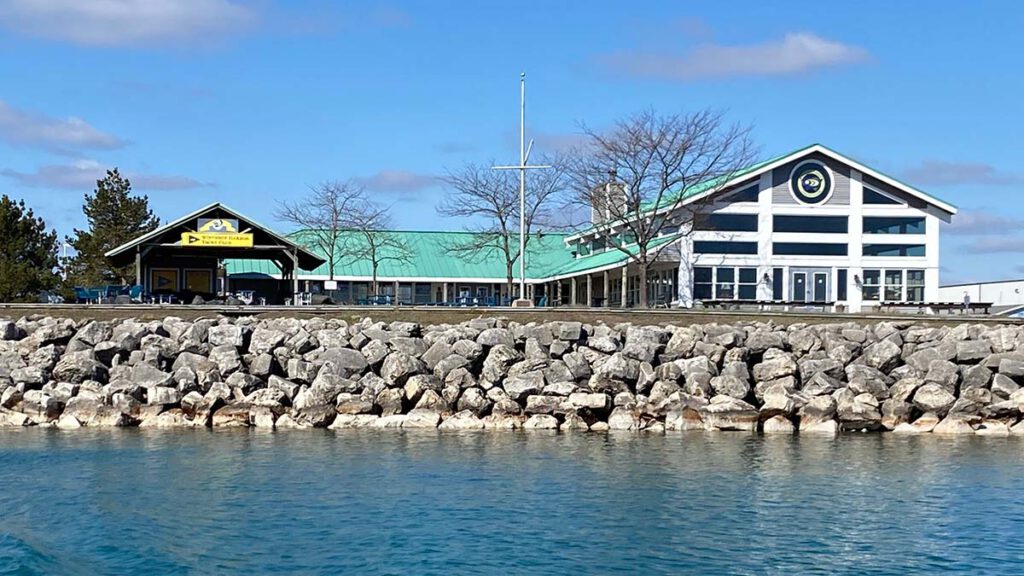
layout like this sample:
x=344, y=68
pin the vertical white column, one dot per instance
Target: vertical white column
x=572, y=292
x=605, y=291
x=931, y=253
x=590, y=291
x=684, y=283
x=625, y=284
x=765, y=228
x=856, y=248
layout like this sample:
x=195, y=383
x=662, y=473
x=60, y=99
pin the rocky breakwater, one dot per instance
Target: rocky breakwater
x=491, y=373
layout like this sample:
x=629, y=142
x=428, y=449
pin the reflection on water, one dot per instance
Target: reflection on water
x=171, y=502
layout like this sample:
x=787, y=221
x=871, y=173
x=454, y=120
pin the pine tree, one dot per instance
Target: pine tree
x=115, y=217
x=28, y=253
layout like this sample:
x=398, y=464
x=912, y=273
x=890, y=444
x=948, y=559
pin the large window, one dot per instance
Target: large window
x=726, y=222
x=915, y=285
x=808, y=249
x=702, y=283
x=841, y=284
x=748, y=194
x=583, y=248
x=748, y=284
x=725, y=283
x=894, y=249
x=599, y=244
x=870, y=286
x=893, y=285
x=812, y=224
x=717, y=247
x=893, y=225
x=874, y=197
x=777, y=292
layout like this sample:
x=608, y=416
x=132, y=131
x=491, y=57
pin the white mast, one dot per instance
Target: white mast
x=524, y=156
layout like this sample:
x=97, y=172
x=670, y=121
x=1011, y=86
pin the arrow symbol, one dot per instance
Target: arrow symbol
x=192, y=239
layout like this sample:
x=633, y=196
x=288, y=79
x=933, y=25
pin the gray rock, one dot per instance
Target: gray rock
x=884, y=355
x=728, y=413
x=933, y=398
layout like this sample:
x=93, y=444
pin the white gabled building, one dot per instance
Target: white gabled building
x=812, y=226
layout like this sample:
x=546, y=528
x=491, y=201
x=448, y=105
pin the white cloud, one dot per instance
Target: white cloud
x=795, y=53
x=943, y=173
x=125, y=22
x=82, y=175
x=400, y=182
x=983, y=223
x=26, y=128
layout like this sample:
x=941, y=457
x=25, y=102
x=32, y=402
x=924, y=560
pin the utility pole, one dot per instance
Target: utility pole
x=524, y=156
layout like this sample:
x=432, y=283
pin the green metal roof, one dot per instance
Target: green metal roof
x=429, y=258
x=611, y=257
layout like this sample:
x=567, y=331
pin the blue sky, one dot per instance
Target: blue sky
x=251, y=102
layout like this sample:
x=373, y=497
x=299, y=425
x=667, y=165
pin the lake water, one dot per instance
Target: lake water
x=388, y=502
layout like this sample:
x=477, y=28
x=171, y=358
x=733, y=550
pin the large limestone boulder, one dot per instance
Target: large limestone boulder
x=933, y=398
x=728, y=413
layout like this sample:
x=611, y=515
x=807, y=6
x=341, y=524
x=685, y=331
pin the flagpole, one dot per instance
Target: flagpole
x=522, y=185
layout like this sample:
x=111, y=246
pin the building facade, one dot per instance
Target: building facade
x=809, y=227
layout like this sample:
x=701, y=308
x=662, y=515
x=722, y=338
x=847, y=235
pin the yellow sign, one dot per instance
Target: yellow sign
x=216, y=240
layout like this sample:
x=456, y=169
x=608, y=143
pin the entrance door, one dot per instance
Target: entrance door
x=799, y=287
x=820, y=287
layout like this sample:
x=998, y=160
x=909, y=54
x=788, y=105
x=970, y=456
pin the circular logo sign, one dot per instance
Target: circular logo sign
x=811, y=183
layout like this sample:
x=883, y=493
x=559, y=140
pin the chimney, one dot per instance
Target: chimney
x=605, y=196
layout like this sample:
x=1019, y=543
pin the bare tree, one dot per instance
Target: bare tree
x=650, y=176
x=373, y=238
x=323, y=216
x=489, y=200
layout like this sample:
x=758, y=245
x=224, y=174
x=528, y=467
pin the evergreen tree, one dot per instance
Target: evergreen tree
x=28, y=253
x=115, y=217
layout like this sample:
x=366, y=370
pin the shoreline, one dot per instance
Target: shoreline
x=495, y=373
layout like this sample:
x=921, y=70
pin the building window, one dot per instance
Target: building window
x=628, y=237
x=422, y=293
x=726, y=222
x=702, y=283
x=583, y=248
x=777, y=293
x=874, y=197
x=725, y=283
x=598, y=244
x=870, y=286
x=894, y=249
x=841, y=284
x=893, y=285
x=887, y=225
x=811, y=224
x=808, y=249
x=716, y=247
x=915, y=285
x=748, y=284
x=748, y=194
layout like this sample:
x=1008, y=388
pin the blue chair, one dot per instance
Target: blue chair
x=135, y=293
x=543, y=301
x=490, y=301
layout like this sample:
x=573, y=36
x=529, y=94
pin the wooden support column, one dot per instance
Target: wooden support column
x=625, y=283
x=590, y=290
x=444, y=292
x=138, y=266
x=558, y=291
x=572, y=291
x=607, y=290
x=295, y=276
x=396, y=292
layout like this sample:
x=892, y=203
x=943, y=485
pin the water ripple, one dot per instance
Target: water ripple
x=386, y=502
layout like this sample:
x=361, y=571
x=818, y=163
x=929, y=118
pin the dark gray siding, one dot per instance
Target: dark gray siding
x=841, y=172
